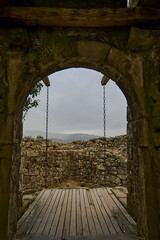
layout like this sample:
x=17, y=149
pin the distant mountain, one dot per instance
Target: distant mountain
x=59, y=137
x=66, y=138
x=34, y=133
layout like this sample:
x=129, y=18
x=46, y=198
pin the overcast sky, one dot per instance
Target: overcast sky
x=76, y=105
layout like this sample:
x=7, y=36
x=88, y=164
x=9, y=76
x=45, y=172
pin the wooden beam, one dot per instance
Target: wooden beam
x=149, y=3
x=46, y=81
x=104, y=17
x=104, y=80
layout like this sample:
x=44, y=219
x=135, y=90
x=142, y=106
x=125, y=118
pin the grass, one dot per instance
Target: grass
x=59, y=187
x=28, y=138
x=27, y=204
x=25, y=207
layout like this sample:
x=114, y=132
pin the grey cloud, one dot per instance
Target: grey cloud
x=76, y=104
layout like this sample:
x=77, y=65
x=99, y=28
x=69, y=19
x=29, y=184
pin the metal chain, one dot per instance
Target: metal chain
x=104, y=110
x=46, y=157
x=104, y=119
x=47, y=114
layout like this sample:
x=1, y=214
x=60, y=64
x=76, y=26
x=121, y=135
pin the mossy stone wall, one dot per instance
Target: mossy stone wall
x=130, y=57
x=92, y=163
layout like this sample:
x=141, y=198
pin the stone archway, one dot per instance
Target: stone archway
x=40, y=52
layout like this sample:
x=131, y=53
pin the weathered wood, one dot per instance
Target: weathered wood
x=113, y=220
x=62, y=217
x=105, y=212
x=46, y=81
x=100, y=17
x=73, y=215
x=41, y=215
x=66, y=229
x=94, y=214
x=47, y=213
x=104, y=80
x=99, y=214
x=79, y=217
x=28, y=223
x=114, y=210
x=40, y=206
x=107, y=237
x=121, y=196
x=89, y=215
x=128, y=217
x=125, y=226
x=27, y=213
x=149, y=3
x=52, y=215
x=84, y=215
x=118, y=193
x=76, y=214
x=57, y=215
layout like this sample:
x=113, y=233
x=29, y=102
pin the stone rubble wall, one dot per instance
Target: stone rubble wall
x=80, y=161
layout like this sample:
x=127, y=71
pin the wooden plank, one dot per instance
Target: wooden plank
x=128, y=217
x=121, y=196
x=27, y=213
x=66, y=229
x=108, y=212
x=47, y=213
x=118, y=193
x=89, y=215
x=117, y=214
x=100, y=202
x=79, y=217
x=100, y=17
x=123, y=201
x=107, y=237
x=113, y=220
x=85, y=228
x=99, y=214
x=40, y=207
x=63, y=214
x=73, y=215
x=57, y=216
x=94, y=214
x=41, y=215
x=33, y=214
x=52, y=215
x=104, y=213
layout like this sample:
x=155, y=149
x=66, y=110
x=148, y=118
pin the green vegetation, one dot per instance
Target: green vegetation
x=25, y=207
x=40, y=137
x=31, y=101
x=28, y=138
x=59, y=187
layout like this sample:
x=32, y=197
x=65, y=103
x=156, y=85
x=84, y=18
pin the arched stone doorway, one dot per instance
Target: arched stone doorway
x=30, y=55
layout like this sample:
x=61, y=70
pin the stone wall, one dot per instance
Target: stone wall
x=129, y=56
x=93, y=163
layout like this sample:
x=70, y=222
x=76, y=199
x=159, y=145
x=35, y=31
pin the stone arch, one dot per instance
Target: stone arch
x=47, y=51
